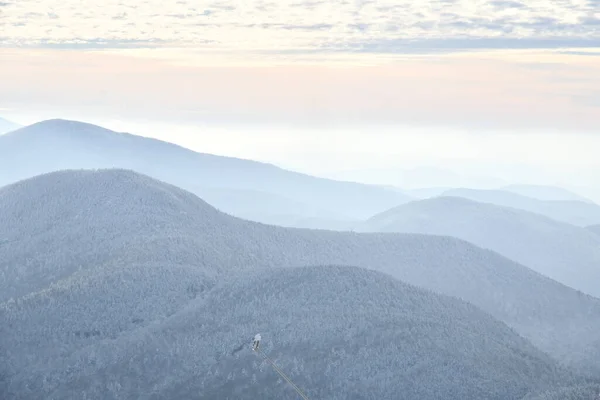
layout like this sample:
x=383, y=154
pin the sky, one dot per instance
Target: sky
x=507, y=89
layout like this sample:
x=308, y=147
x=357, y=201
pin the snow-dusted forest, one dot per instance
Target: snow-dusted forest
x=121, y=281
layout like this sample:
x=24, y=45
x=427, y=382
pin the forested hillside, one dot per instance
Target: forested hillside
x=566, y=253
x=339, y=332
x=93, y=256
x=577, y=392
x=381, y=200
x=54, y=145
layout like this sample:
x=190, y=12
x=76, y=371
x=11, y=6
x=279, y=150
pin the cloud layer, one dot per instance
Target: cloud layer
x=303, y=26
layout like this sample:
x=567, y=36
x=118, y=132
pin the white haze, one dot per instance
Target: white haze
x=116, y=275
x=409, y=157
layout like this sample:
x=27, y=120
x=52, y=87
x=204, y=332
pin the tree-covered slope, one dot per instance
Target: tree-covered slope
x=54, y=145
x=576, y=392
x=134, y=237
x=566, y=253
x=339, y=332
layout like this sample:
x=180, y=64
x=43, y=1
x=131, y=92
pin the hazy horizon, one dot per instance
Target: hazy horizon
x=473, y=161
x=366, y=199
x=503, y=91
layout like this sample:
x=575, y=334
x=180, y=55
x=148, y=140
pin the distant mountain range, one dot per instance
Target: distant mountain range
x=112, y=276
x=418, y=177
x=284, y=195
x=136, y=268
x=581, y=213
x=539, y=192
x=274, y=209
x=249, y=189
x=566, y=253
x=427, y=192
x=7, y=126
x=549, y=193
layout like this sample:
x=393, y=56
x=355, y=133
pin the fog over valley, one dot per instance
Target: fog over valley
x=100, y=261
x=299, y=200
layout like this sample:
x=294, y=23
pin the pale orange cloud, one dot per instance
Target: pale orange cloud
x=470, y=109
x=478, y=89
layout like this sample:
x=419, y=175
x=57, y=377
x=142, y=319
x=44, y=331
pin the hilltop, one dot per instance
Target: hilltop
x=578, y=213
x=54, y=145
x=566, y=253
x=544, y=192
x=115, y=234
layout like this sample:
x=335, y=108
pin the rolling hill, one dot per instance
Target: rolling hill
x=251, y=205
x=427, y=192
x=418, y=177
x=573, y=212
x=122, y=237
x=339, y=332
x=542, y=192
x=60, y=144
x=563, y=252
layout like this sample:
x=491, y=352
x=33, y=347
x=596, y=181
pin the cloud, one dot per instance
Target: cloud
x=310, y=5
x=314, y=27
x=504, y=4
x=589, y=99
x=451, y=45
x=593, y=21
x=581, y=53
x=91, y=44
x=309, y=26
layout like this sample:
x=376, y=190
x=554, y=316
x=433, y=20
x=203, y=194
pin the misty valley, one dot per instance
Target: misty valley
x=134, y=268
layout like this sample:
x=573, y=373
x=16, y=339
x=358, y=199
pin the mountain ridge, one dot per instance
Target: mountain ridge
x=545, y=192
x=342, y=316
x=573, y=212
x=81, y=216
x=63, y=144
x=563, y=252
